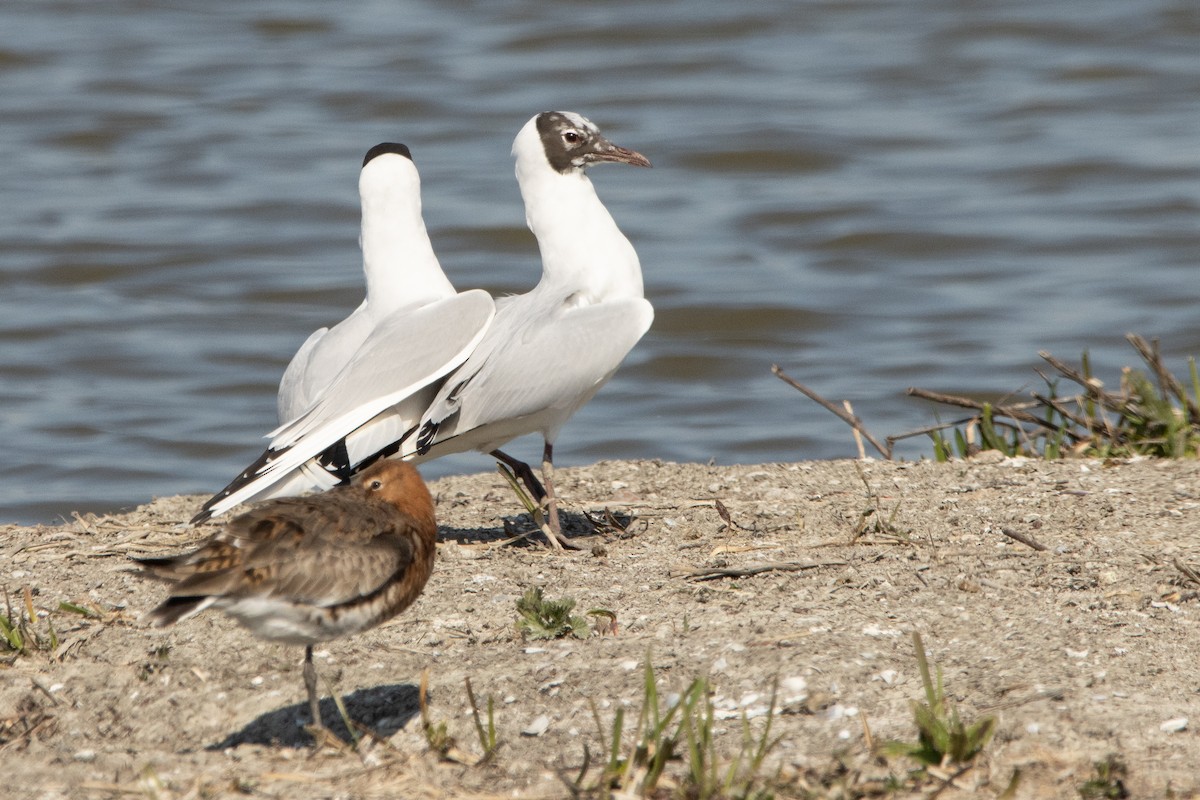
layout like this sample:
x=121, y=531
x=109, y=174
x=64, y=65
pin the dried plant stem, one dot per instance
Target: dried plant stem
x=846, y=415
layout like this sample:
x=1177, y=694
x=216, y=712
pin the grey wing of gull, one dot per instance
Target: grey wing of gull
x=292, y=399
x=537, y=369
x=406, y=353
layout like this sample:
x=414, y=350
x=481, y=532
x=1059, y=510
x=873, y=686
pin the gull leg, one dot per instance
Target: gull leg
x=524, y=472
x=555, y=534
x=310, y=683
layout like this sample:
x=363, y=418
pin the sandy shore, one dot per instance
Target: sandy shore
x=1084, y=649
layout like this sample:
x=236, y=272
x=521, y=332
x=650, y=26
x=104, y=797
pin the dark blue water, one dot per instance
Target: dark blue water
x=871, y=194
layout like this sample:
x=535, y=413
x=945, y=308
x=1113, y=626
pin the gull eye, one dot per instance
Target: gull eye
x=376, y=484
x=572, y=137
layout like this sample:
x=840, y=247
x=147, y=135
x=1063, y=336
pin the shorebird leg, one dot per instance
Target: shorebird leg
x=524, y=472
x=310, y=683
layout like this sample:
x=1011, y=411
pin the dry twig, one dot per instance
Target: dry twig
x=758, y=569
x=845, y=415
x=1028, y=541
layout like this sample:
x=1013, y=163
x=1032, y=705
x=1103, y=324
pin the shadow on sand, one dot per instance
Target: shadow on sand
x=580, y=528
x=383, y=709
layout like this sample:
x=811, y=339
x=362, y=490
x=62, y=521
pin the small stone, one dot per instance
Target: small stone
x=876, y=630
x=1176, y=725
x=86, y=756
x=539, y=726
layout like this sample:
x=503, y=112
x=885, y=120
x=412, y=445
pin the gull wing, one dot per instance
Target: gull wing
x=533, y=371
x=409, y=351
x=289, y=386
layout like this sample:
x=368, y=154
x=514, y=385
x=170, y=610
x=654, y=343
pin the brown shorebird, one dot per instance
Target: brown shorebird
x=301, y=570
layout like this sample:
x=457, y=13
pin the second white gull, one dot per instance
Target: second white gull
x=410, y=331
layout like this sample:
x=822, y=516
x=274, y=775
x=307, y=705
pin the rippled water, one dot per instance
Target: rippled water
x=872, y=194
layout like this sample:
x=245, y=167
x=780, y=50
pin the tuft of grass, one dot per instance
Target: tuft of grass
x=20, y=632
x=488, y=740
x=1108, y=783
x=943, y=738
x=540, y=618
x=707, y=778
x=437, y=734
x=1152, y=413
x=684, y=730
x=875, y=519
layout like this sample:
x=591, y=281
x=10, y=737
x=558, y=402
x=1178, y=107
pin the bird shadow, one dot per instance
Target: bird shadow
x=574, y=525
x=382, y=709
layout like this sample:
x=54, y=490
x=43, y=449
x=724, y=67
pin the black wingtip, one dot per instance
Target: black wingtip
x=248, y=474
x=172, y=610
x=429, y=432
x=387, y=147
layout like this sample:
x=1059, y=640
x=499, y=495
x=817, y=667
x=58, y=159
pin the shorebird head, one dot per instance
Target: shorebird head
x=570, y=143
x=397, y=483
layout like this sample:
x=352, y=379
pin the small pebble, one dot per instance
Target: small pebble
x=875, y=630
x=86, y=756
x=1175, y=725
x=539, y=726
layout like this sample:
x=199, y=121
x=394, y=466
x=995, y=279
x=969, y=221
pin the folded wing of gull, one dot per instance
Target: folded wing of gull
x=406, y=352
x=400, y=269
x=532, y=372
x=384, y=388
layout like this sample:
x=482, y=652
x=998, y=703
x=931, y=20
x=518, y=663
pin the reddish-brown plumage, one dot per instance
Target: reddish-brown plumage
x=302, y=570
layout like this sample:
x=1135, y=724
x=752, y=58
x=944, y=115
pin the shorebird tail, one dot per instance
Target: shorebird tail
x=173, y=609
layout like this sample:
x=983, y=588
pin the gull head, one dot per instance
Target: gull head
x=388, y=169
x=570, y=143
x=387, y=148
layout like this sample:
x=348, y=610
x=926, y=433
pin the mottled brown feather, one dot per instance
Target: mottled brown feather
x=365, y=549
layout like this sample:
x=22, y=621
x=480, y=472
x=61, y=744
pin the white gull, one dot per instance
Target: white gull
x=410, y=331
x=550, y=350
